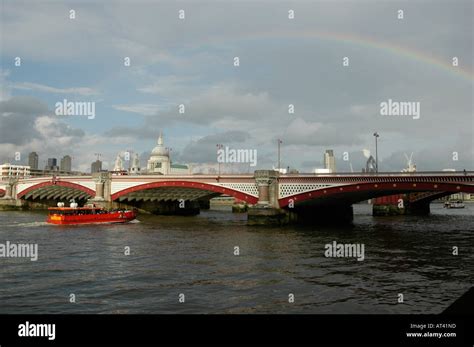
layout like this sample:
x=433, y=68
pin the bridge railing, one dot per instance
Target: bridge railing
x=387, y=173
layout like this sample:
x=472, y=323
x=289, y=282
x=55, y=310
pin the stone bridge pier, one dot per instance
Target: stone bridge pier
x=267, y=210
x=8, y=200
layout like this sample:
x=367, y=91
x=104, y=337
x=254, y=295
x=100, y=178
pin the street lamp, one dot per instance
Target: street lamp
x=279, y=158
x=376, y=135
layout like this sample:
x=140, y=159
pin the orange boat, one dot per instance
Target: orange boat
x=88, y=215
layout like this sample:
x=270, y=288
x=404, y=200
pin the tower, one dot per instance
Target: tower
x=135, y=169
x=329, y=160
x=33, y=160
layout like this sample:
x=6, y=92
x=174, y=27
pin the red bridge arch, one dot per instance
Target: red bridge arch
x=372, y=190
x=56, y=183
x=187, y=184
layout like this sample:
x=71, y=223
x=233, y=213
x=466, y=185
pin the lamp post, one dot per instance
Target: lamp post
x=376, y=135
x=279, y=158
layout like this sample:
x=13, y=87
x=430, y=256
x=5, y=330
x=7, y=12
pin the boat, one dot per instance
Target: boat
x=454, y=204
x=88, y=215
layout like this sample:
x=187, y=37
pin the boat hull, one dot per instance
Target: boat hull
x=105, y=218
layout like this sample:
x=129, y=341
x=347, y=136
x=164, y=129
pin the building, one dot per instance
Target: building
x=160, y=163
x=329, y=160
x=135, y=168
x=8, y=170
x=33, y=160
x=96, y=166
x=52, y=165
x=66, y=164
x=118, y=166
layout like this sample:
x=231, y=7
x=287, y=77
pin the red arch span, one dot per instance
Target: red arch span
x=2, y=192
x=401, y=187
x=186, y=184
x=57, y=183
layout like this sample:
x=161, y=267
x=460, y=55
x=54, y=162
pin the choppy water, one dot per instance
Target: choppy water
x=195, y=256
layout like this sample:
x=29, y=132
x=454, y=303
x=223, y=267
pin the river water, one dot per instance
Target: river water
x=195, y=256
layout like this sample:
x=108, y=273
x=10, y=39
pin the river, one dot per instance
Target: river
x=195, y=256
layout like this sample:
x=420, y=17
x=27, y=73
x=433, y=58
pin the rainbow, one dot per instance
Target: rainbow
x=410, y=53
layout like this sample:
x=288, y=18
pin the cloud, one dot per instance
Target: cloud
x=204, y=150
x=26, y=124
x=143, y=109
x=171, y=85
x=5, y=90
x=17, y=119
x=85, y=91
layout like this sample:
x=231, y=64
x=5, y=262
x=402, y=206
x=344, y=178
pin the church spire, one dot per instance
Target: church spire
x=160, y=139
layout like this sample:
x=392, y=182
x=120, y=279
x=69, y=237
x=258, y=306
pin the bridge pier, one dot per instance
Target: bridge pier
x=9, y=201
x=267, y=210
x=10, y=204
x=102, y=186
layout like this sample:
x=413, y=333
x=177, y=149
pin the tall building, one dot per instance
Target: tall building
x=52, y=164
x=66, y=163
x=33, y=160
x=329, y=160
x=96, y=166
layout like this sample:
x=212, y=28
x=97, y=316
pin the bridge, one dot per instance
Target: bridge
x=273, y=197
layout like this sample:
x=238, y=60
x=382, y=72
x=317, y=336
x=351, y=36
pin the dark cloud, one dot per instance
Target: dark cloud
x=17, y=119
x=204, y=150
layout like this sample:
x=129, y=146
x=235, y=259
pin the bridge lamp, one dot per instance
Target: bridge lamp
x=376, y=135
x=279, y=157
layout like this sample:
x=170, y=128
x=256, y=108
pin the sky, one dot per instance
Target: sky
x=282, y=61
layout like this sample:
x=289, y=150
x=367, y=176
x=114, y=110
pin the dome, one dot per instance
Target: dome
x=159, y=150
